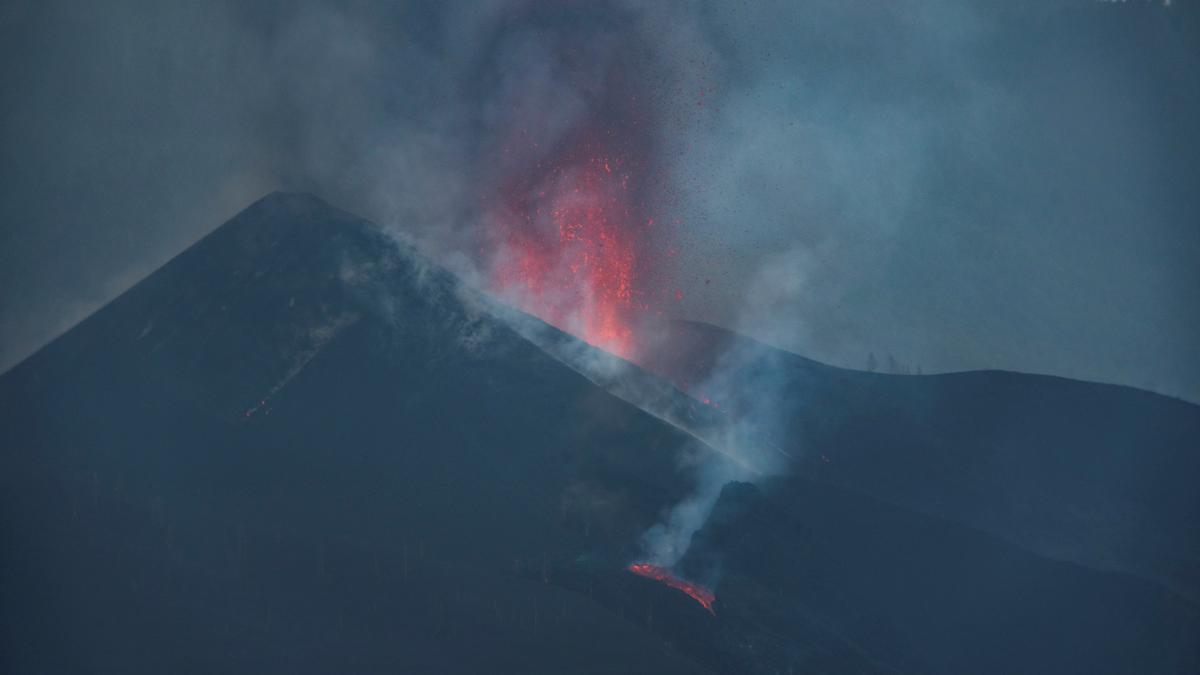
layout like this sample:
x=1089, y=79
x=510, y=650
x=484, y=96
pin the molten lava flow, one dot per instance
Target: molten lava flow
x=665, y=576
x=570, y=247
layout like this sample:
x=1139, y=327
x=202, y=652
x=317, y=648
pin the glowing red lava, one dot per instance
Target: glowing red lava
x=665, y=576
x=570, y=247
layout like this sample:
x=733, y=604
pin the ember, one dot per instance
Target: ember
x=665, y=576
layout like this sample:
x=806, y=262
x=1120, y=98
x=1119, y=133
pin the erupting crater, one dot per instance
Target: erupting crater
x=571, y=240
x=577, y=198
x=700, y=594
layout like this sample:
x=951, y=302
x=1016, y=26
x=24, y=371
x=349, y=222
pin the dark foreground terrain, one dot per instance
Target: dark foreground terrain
x=298, y=447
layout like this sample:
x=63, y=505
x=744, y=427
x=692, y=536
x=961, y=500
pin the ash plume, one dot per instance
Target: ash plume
x=891, y=161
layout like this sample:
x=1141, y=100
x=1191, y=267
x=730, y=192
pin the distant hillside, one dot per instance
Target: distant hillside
x=1100, y=475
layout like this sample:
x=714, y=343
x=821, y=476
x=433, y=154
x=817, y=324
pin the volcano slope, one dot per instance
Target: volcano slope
x=299, y=447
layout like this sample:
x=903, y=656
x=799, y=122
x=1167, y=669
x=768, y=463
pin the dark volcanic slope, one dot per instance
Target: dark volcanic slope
x=1100, y=475
x=296, y=448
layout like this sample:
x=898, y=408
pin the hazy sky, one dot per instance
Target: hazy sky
x=962, y=185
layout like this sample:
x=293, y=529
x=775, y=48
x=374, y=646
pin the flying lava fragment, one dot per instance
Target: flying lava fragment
x=700, y=594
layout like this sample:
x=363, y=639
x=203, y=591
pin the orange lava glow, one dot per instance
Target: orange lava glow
x=570, y=247
x=700, y=594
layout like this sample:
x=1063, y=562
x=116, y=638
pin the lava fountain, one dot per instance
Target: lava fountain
x=571, y=244
x=700, y=594
x=574, y=174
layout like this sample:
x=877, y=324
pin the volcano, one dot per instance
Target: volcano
x=300, y=446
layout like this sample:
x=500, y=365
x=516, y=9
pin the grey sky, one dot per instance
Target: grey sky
x=962, y=185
